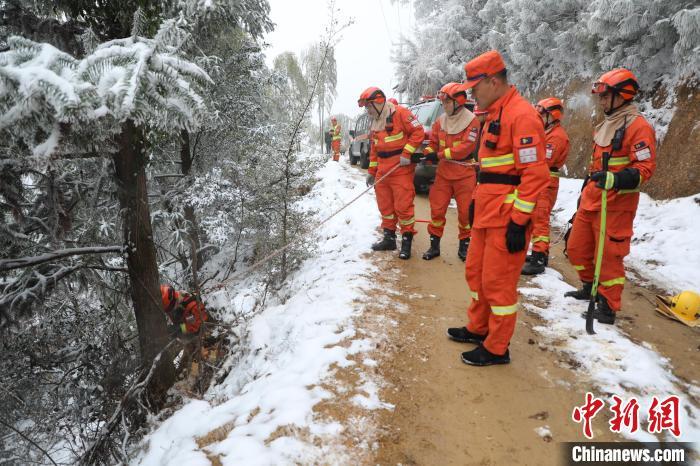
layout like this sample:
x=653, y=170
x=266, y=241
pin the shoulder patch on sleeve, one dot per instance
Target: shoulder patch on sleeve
x=642, y=151
x=526, y=140
x=415, y=123
x=527, y=154
x=640, y=145
x=473, y=134
x=549, y=151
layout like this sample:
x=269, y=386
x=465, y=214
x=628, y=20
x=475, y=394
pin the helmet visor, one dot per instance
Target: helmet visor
x=600, y=87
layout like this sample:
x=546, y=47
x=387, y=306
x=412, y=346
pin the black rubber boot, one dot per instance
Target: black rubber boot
x=406, y=240
x=536, y=264
x=434, y=250
x=483, y=357
x=584, y=293
x=462, y=335
x=388, y=243
x=463, y=249
x=602, y=312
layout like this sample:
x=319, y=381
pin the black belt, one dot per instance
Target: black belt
x=391, y=153
x=498, y=178
x=554, y=169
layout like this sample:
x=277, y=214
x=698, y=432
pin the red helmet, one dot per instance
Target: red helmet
x=454, y=91
x=620, y=81
x=169, y=297
x=551, y=105
x=371, y=94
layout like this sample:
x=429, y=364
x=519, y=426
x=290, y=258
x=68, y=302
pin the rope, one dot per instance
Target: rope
x=279, y=251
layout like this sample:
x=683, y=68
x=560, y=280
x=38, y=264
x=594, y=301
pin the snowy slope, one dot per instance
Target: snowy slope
x=274, y=385
x=665, y=249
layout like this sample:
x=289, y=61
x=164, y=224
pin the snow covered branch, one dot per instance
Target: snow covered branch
x=10, y=264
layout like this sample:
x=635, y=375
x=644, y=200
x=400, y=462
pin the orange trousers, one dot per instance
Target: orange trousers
x=335, y=145
x=441, y=192
x=540, y=219
x=395, y=195
x=492, y=275
x=582, y=249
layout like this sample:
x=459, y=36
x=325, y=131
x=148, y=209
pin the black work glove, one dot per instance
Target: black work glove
x=604, y=180
x=432, y=157
x=416, y=157
x=515, y=237
x=370, y=180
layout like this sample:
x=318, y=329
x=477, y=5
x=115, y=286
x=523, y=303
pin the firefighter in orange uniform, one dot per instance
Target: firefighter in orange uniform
x=185, y=311
x=395, y=134
x=453, y=139
x=335, y=139
x=513, y=173
x=628, y=141
x=556, y=151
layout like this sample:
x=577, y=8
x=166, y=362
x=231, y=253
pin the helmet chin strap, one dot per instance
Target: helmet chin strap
x=455, y=107
x=379, y=112
x=611, y=110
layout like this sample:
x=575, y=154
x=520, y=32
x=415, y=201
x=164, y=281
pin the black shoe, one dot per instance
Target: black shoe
x=434, y=250
x=463, y=248
x=584, y=293
x=462, y=335
x=602, y=312
x=536, y=264
x=406, y=240
x=388, y=243
x=528, y=258
x=483, y=357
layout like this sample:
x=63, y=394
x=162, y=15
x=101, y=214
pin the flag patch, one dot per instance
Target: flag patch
x=525, y=141
x=527, y=154
x=472, y=134
x=550, y=151
x=640, y=145
x=643, y=154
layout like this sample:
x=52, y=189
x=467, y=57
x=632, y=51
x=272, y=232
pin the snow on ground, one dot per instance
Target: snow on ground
x=614, y=363
x=664, y=249
x=264, y=406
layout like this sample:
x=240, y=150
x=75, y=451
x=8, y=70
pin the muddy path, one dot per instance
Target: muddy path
x=444, y=412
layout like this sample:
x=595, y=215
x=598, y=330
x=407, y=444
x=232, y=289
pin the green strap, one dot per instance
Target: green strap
x=601, y=240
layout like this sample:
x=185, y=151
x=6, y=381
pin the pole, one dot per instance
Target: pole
x=601, y=245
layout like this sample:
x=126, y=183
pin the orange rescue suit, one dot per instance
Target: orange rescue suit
x=335, y=141
x=401, y=136
x=556, y=152
x=639, y=152
x=452, y=179
x=183, y=309
x=513, y=173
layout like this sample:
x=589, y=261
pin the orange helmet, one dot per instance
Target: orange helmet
x=371, y=94
x=551, y=105
x=619, y=81
x=393, y=101
x=333, y=119
x=169, y=297
x=454, y=91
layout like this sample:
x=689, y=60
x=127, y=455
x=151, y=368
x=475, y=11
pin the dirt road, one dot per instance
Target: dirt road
x=445, y=412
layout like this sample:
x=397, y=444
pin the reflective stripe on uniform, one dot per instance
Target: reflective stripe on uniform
x=579, y=267
x=183, y=328
x=522, y=205
x=389, y=217
x=497, y=161
x=465, y=227
x=337, y=138
x=437, y=223
x=442, y=142
x=540, y=239
x=505, y=310
x=428, y=150
x=410, y=221
x=456, y=143
x=373, y=164
x=394, y=137
x=475, y=295
x=617, y=161
x=554, y=174
x=613, y=281
x=409, y=148
x=448, y=154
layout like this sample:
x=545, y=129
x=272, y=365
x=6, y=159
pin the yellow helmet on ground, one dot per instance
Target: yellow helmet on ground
x=684, y=307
